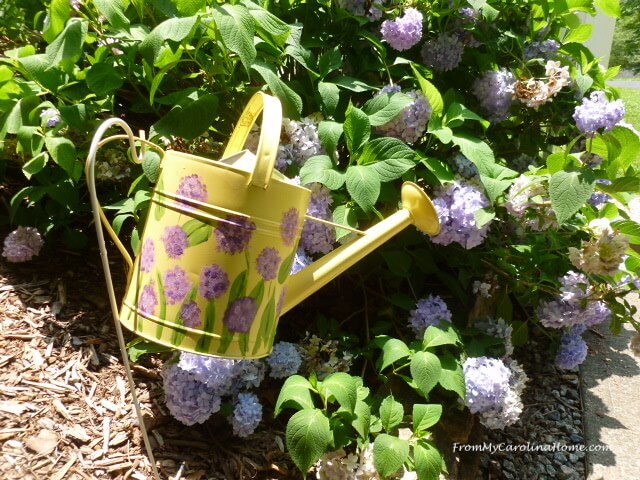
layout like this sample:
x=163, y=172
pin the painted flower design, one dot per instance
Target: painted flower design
x=240, y=314
x=193, y=187
x=148, y=300
x=175, y=241
x=148, y=255
x=283, y=295
x=190, y=315
x=176, y=285
x=289, y=226
x=214, y=282
x=234, y=233
x=268, y=263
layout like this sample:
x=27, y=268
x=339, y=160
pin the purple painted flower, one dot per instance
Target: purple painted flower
x=240, y=314
x=148, y=300
x=214, y=282
x=268, y=262
x=234, y=233
x=175, y=241
x=403, y=32
x=193, y=187
x=289, y=226
x=190, y=315
x=148, y=255
x=176, y=285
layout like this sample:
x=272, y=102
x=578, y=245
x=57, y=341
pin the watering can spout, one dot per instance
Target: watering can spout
x=417, y=209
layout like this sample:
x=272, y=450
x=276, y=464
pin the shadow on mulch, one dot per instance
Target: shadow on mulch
x=73, y=286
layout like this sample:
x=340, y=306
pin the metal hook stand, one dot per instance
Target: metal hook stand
x=99, y=220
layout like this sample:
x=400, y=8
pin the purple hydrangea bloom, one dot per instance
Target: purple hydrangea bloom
x=572, y=306
x=175, y=241
x=598, y=198
x=214, y=282
x=596, y=312
x=148, y=300
x=268, y=262
x=284, y=361
x=191, y=315
x=457, y=205
x=572, y=351
x=468, y=14
x=234, y=234
x=188, y=400
x=52, y=116
x=148, y=255
x=494, y=91
x=289, y=226
x=219, y=374
x=318, y=237
x=542, y=49
x=429, y=311
x=240, y=314
x=487, y=382
x=176, y=285
x=410, y=124
x=598, y=114
x=192, y=186
x=444, y=52
x=22, y=244
x=404, y=32
x=354, y=7
x=246, y=414
x=300, y=261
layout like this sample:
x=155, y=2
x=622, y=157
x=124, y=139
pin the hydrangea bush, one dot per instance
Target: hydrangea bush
x=495, y=108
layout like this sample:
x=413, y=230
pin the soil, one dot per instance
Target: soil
x=65, y=408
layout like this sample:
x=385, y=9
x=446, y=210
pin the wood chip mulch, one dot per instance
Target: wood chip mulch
x=65, y=409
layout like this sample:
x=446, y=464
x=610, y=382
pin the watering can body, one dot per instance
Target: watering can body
x=215, y=255
x=212, y=276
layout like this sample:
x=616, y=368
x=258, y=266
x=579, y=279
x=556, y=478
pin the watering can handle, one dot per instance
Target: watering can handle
x=96, y=143
x=269, y=136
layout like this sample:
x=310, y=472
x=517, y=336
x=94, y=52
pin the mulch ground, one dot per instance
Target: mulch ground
x=65, y=408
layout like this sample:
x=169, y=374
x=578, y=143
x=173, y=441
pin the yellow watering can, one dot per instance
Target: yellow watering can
x=212, y=276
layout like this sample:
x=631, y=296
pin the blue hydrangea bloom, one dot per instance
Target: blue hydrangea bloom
x=572, y=351
x=410, y=124
x=218, y=374
x=404, y=32
x=494, y=91
x=300, y=260
x=444, y=52
x=465, y=167
x=598, y=114
x=487, y=382
x=284, y=361
x=188, y=400
x=248, y=374
x=457, y=204
x=318, y=237
x=246, y=414
x=429, y=311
